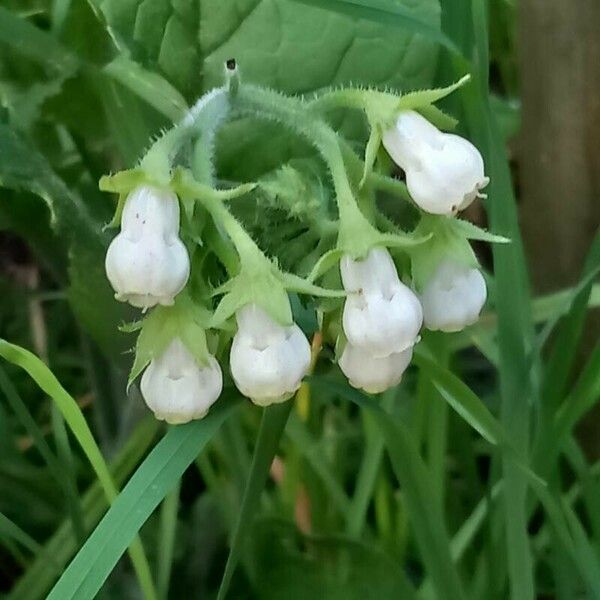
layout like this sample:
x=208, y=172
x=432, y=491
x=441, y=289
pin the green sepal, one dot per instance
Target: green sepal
x=185, y=319
x=422, y=98
x=293, y=283
x=472, y=232
x=327, y=261
x=262, y=286
x=436, y=116
x=447, y=241
x=371, y=149
x=123, y=183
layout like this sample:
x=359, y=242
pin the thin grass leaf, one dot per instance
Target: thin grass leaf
x=313, y=454
x=72, y=414
x=166, y=544
x=148, y=486
x=272, y=424
x=10, y=530
x=385, y=13
x=427, y=521
x=58, y=550
x=62, y=476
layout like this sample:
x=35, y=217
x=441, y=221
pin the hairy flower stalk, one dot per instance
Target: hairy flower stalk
x=453, y=298
x=444, y=172
x=177, y=389
x=268, y=360
x=147, y=263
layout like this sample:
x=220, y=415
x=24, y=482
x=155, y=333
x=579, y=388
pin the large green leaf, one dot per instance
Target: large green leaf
x=293, y=566
x=276, y=42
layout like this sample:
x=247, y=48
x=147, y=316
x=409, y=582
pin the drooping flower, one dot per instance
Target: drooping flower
x=268, y=360
x=381, y=315
x=147, y=263
x=373, y=374
x=176, y=388
x=453, y=297
x=444, y=172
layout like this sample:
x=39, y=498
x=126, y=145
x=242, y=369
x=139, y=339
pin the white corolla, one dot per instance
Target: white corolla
x=381, y=315
x=444, y=172
x=371, y=374
x=453, y=297
x=147, y=263
x=268, y=360
x=177, y=389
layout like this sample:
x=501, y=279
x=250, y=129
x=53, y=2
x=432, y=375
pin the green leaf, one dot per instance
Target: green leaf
x=11, y=530
x=23, y=168
x=386, y=13
x=35, y=43
x=422, y=504
x=297, y=567
x=151, y=87
x=152, y=481
x=61, y=546
x=271, y=429
x=72, y=414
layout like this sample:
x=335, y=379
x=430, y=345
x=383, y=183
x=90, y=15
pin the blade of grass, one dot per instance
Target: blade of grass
x=423, y=506
x=518, y=382
x=309, y=448
x=10, y=530
x=42, y=573
x=62, y=477
x=369, y=468
x=272, y=424
x=72, y=414
x=151, y=482
x=166, y=544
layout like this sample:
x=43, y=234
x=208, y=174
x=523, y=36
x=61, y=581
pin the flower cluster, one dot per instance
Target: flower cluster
x=180, y=236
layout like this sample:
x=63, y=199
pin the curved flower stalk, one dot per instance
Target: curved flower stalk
x=373, y=374
x=177, y=388
x=453, y=298
x=381, y=315
x=268, y=360
x=444, y=172
x=147, y=263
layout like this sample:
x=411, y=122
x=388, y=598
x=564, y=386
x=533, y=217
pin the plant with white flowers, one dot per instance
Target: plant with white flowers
x=218, y=266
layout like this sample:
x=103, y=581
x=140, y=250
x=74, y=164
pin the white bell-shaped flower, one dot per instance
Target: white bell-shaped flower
x=177, y=389
x=453, y=297
x=381, y=315
x=268, y=361
x=372, y=374
x=147, y=263
x=444, y=172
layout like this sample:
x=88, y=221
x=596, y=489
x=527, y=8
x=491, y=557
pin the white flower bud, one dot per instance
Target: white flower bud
x=371, y=374
x=268, y=361
x=453, y=297
x=177, y=389
x=444, y=172
x=381, y=315
x=147, y=263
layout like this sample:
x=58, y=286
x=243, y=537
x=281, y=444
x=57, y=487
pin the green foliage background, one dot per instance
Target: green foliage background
x=468, y=486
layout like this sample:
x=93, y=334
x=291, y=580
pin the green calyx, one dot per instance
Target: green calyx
x=186, y=320
x=448, y=240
